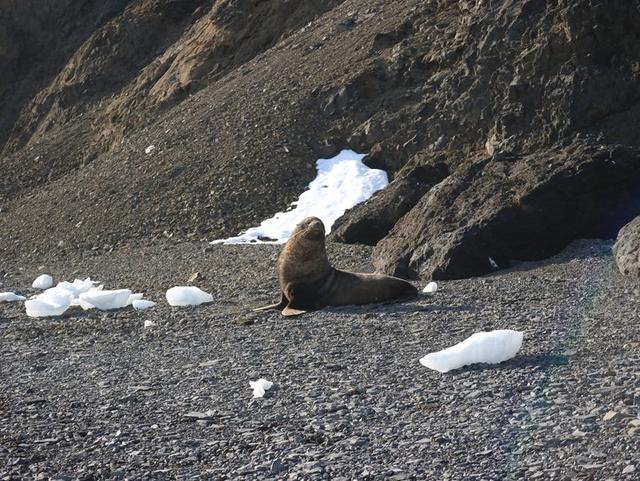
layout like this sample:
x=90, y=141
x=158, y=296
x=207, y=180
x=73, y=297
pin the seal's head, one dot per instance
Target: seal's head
x=304, y=256
x=309, y=229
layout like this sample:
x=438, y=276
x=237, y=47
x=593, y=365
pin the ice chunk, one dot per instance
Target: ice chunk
x=430, y=288
x=45, y=281
x=84, y=293
x=149, y=149
x=51, y=302
x=491, y=347
x=45, y=306
x=135, y=297
x=342, y=182
x=10, y=297
x=106, y=299
x=260, y=387
x=141, y=304
x=78, y=286
x=85, y=285
x=148, y=323
x=187, y=296
x=57, y=295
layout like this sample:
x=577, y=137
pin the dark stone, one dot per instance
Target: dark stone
x=627, y=249
x=523, y=210
x=370, y=221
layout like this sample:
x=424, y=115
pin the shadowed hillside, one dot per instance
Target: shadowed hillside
x=522, y=113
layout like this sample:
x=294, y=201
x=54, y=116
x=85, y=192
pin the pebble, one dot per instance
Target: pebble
x=612, y=416
x=352, y=398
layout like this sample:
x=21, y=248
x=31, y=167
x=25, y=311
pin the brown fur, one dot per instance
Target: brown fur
x=308, y=282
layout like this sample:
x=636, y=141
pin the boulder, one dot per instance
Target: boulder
x=488, y=212
x=626, y=250
x=370, y=221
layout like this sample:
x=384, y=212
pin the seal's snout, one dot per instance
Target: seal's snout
x=311, y=227
x=316, y=224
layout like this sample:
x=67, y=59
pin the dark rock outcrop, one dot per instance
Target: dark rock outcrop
x=626, y=250
x=369, y=222
x=491, y=212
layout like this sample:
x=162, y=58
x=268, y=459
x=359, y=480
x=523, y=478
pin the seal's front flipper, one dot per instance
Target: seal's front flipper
x=279, y=305
x=292, y=311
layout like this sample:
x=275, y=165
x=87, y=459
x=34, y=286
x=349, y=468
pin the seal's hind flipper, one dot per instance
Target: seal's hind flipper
x=292, y=311
x=278, y=305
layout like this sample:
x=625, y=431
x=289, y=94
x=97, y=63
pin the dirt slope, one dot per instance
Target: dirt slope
x=240, y=97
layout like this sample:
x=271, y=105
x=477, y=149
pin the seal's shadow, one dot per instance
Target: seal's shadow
x=543, y=360
x=393, y=308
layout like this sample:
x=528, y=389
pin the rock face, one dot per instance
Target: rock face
x=240, y=97
x=522, y=210
x=369, y=222
x=627, y=249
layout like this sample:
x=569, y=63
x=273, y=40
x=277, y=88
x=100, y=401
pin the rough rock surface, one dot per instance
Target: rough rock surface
x=516, y=210
x=369, y=222
x=99, y=396
x=627, y=249
x=372, y=220
x=235, y=93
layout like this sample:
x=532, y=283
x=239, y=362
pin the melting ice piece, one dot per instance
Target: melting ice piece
x=260, y=387
x=45, y=306
x=45, y=281
x=342, y=182
x=78, y=286
x=149, y=323
x=430, y=288
x=57, y=295
x=52, y=302
x=142, y=304
x=187, y=296
x=135, y=297
x=491, y=347
x=106, y=299
x=10, y=297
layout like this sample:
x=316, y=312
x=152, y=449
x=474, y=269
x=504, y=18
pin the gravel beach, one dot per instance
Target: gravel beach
x=96, y=395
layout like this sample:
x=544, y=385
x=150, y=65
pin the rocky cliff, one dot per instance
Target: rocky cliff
x=509, y=127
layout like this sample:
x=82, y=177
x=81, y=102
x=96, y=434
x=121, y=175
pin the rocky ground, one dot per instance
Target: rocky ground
x=98, y=396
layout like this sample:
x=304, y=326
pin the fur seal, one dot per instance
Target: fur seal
x=308, y=282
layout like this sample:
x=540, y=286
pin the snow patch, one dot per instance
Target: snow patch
x=430, y=288
x=149, y=323
x=45, y=281
x=149, y=149
x=10, y=297
x=342, y=182
x=187, y=296
x=260, y=387
x=490, y=347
